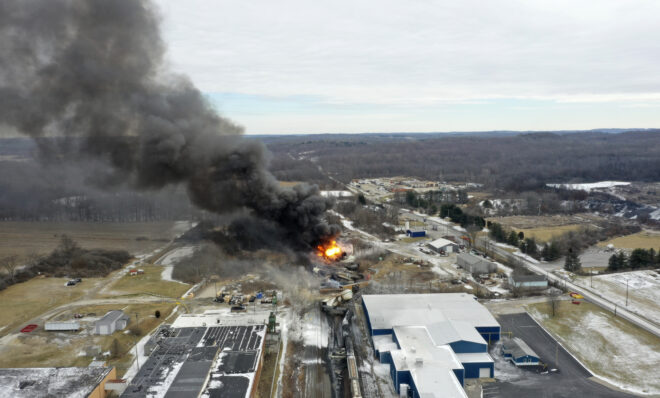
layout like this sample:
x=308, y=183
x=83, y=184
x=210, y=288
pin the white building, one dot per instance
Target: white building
x=112, y=321
x=432, y=342
x=444, y=245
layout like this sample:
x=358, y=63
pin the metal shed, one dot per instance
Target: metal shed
x=475, y=264
x=112, y=321
x=444, y=245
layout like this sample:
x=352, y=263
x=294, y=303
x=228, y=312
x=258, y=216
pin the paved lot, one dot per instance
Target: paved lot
x=572, y=380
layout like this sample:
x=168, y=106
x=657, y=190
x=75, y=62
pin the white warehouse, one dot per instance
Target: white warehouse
x=112, y=321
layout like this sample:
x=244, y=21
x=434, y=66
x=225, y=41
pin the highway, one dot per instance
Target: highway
x=588, y=294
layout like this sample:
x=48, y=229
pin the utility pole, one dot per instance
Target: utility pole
x=137, y=358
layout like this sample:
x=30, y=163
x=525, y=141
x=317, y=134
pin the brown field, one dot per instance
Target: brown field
x=24, y=301
x=545, y=234
x=289, y=183
x=641, y=240
x=148, y=283
x=534, y=222
x=543, y=228
x=23, y=238
x=40, y=348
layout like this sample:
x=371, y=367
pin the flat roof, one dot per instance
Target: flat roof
x=196, y=361
x=416, y=344
x=433, y=384
x=388, y=310
x=431, y=367
x=51, y=382
x=474, y=357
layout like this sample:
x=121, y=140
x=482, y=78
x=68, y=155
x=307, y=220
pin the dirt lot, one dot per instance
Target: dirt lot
x=592, y=334
x=641, y=240
x=23, y=238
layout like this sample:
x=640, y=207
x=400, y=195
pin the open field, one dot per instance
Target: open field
x=545, y=234
x=148, y=283
x=41, y=348
x=610, y=347
x=531, y=222
x=643, y=290
x=640, y=240
x=23, y=238
x=24, y=301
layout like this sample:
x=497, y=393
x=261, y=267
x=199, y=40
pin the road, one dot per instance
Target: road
x=590, y=295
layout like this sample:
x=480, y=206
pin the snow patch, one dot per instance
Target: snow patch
x=589, y=186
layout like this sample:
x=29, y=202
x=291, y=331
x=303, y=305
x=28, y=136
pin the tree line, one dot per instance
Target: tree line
x=638, y=258
x=68, y=259
x=571, y=242
x=515, y=163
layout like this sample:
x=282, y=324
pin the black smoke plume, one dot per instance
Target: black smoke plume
x=93, y=70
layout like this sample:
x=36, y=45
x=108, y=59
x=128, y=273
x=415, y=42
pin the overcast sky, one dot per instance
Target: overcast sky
x=391, y=66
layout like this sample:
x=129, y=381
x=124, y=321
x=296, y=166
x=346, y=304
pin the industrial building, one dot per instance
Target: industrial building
x=56, y=382
x=475, y=264
x=112, y=321
x=528, y=282
x=442, y=245
x=518, y=352
x=432, y=342
x=208, y=355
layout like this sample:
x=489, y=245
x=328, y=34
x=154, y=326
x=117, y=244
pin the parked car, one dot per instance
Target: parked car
x=29, y=328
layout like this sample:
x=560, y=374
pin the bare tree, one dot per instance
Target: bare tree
x=10, y=265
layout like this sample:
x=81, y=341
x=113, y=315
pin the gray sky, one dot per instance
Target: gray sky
x=360, y=66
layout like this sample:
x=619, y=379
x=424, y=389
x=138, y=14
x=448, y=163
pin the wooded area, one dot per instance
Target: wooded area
x=517, y=163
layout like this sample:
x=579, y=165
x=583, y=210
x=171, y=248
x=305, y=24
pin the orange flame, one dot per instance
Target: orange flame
x=330, y=251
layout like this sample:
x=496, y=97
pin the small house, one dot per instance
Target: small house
x=518, y=352
x=112, y=321
x=443, y=246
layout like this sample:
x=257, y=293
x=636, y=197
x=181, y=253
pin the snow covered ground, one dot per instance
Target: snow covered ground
x=643, y=291
x=336, y=194
x=604, y=344
x=589, y=186
x=169, y=260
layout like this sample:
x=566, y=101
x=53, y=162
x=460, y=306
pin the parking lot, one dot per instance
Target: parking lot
x=570, y=380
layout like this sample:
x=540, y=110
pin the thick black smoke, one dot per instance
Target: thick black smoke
x=93, y=70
